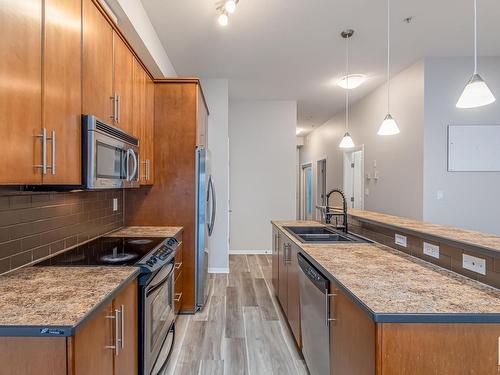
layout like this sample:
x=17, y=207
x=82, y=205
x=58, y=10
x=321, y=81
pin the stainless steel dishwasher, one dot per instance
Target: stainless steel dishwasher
x=314, y=313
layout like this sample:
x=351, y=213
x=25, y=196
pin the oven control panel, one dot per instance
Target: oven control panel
x=161, y=255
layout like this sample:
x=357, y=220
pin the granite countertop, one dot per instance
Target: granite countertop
x=472, y=238
x=56, y=297
x=146, y=231
x=395, y=287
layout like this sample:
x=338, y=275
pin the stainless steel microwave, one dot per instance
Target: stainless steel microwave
x=110, y=156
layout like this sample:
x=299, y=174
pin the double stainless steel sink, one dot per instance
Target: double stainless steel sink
x=323, y=234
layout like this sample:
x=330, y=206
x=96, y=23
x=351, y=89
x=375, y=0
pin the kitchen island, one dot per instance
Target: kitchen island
x=393, y=313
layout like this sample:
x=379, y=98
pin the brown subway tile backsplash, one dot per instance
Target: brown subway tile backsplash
x=35, y=225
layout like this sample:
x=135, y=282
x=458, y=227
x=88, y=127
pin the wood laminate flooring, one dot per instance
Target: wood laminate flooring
x=241, y=330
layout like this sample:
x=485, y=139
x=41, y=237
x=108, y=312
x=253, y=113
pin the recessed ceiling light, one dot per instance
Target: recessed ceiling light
x=355, y=80
x=299, y=131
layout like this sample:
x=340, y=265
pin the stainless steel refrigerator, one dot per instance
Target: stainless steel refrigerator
x=205, y=221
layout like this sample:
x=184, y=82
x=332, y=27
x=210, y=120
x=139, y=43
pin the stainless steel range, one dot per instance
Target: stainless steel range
x=155, y=257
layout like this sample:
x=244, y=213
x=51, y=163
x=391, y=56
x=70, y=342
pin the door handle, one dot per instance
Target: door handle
x=115, y=317
x=118, y=109
x=177, y=299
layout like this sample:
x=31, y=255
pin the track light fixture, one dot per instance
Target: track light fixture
x=225, y=8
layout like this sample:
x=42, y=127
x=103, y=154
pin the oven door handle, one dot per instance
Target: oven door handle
x=158, y=284
x=131, y=176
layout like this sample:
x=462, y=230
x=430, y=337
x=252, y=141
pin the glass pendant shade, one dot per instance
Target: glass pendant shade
x=230, y=6
x=389, y=126
x=347, y=141
x=223, y=19
x=476, y=94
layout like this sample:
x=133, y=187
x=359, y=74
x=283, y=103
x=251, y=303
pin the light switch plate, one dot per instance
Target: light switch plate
x=400, y=240
x=431, y=250
x=474, y=264
x=115, y=204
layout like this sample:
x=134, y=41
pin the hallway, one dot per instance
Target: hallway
x=241, y=330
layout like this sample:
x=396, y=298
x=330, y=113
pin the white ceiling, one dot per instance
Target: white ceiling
x=292, y=50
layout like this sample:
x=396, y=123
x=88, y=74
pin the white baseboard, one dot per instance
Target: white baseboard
x=218, y=269
x=249, y=252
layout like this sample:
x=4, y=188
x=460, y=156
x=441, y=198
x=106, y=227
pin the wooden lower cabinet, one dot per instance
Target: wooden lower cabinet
x=293, y=309
x=275, y=261
x=360, y=346
x=90, y=351
x=178, y=287
x=352, y=337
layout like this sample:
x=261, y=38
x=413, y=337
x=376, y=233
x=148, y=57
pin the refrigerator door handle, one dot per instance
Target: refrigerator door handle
x=213, y=205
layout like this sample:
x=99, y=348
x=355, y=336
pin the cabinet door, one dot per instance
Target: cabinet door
x=91, y=345
x=275, y=260
x=178, y=289
x=62, y=91
x=293, y=309
x=202, y=120
x=149, y=132
x=282, y=273
x=126, y=362
x=352, y=337
x=139, y=103
x=97, y=64
x=123, y=84
x=20, y=91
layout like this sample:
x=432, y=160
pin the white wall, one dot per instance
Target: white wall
x=470, y=198
x=216, y=94
x=399, y=158
x=137, y=27
x=262, y=157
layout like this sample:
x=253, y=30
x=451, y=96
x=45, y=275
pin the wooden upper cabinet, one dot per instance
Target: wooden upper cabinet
x=143, y=121
x=20, y=91
x=147, y=134
x=123, y=74
x=97, y=64
x=202, y=120
x=62, y=91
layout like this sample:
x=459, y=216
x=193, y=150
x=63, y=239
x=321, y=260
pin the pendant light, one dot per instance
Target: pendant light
x=389, y=125
x=476, y=93
x=347, y=141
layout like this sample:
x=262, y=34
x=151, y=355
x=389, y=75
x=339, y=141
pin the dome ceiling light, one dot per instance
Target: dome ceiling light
x=389, y=125
x=347, y=141
x=476, y=93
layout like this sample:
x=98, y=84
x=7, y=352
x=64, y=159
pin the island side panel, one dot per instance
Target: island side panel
x=445, y=349
x=33, y=355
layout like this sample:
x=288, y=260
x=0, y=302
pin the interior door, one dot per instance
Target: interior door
x=97, y=64
x=62, y=91
x=123, y=84
x=21, y=91
x=307, y=192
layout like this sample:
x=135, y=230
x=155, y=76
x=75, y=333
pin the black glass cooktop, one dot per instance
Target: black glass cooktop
x=120, y=251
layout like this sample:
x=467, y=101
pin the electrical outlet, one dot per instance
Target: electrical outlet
x=115, y=204
x=474, y=264
x=400, y=240
x=431, y=250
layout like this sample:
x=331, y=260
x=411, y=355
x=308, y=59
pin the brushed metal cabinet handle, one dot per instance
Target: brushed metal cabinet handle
x=327, y=308
x=117, y=339
x=123, y=326
x=177, y=265
x=114, y=347
x=177, y=299
x=43, y=166
x=113, y=116
x=118, y=109
x=53, y=140
x=148, y=176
